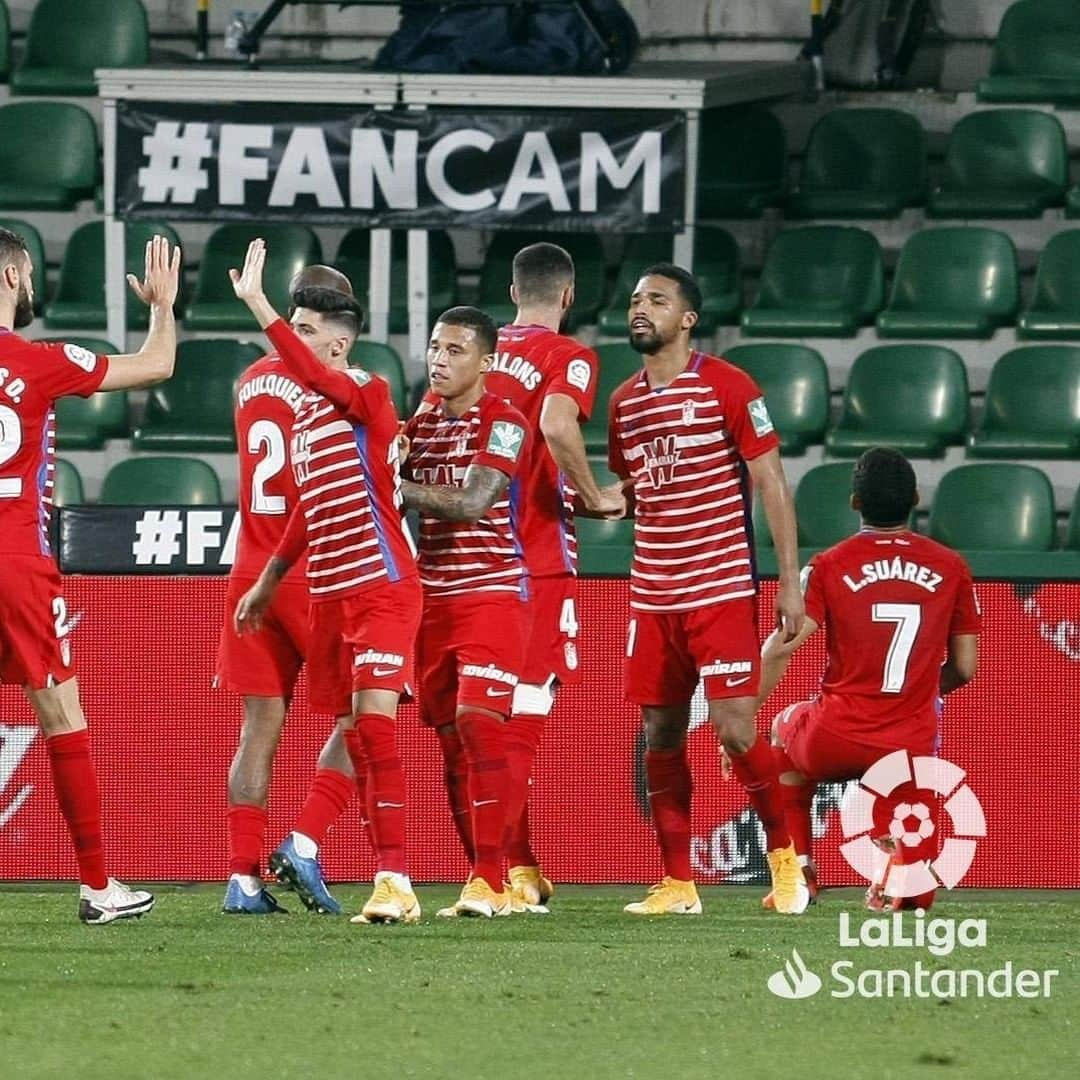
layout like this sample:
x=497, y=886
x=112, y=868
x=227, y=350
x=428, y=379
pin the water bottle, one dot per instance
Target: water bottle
x=234, y=32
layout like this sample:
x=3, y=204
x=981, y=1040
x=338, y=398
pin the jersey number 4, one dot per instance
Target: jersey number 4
x=265, y=434
x=907, y=618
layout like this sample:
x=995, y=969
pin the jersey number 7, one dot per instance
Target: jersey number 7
x=907, y=618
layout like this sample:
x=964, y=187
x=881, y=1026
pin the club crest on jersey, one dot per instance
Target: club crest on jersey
x=505, y=440
x=570, y=656
x=688, y=412
x=759, y=417
x=661, y=456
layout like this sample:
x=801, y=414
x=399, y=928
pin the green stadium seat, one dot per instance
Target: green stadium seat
x=51, y=173
x=589, y=274
x=1002, y=163
x=823, y=505
x=818, y=281
x=716, y=267
x=605, y=548
x=36, y=247
x=214, y=306
x=160, y=481
x=354, y=260
x=795, y=382
x=617, y=364
x=1036, y=55
x=861, y=163
x=1032, y=405
x=1072, y=533
x=5, y=42
x=955, y=282
x=67, y=485
x=910, y=397
x=1072, y=202
x=742, y=162
x=599, y=465
x=1055, y=308
x=86, y=423
x=998, y=507
x=193, y=411
x=382, y=360
x=80, y=293
x=68, y=39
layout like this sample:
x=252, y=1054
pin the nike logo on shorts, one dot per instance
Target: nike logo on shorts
x=384, y=672
x=389, y=805
x=485, y=802
x=737, y=682
x=492, y=692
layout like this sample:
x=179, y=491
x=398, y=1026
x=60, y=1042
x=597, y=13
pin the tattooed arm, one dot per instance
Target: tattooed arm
x=483, y=488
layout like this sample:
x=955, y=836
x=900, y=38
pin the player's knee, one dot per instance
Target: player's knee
x=663, y=731
x=58, y=708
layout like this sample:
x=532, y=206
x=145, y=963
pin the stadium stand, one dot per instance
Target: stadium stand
x=61, y=170
x=605, y=547
x=162, y=481
x=68, y=39
x=617, y=364
x=819, y=280
x=1032, y=405
x=214, y=306
x=823, y=505
x=861, y=163
x=1036, y=55
x=796, y=387
x=911, y=397
x=193, y=411
x=86, y=423
x=67, y=484
x=79, y=302
x=1003, y=163
x=742, y=165
x=1055, y=308
x=953, y=282
x=384, y=361
x=5, y=42
x=1072, y=535
x=36, y=247
x=354, y=260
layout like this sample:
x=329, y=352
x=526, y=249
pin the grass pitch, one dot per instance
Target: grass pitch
x=585, y=992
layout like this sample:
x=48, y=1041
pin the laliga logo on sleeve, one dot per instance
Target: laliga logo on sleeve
x=911, y=824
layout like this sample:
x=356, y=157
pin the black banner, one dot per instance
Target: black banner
x=148, y=540
x=577, y=169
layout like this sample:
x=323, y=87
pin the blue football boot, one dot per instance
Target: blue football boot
x=238, y=902
x=304, y=876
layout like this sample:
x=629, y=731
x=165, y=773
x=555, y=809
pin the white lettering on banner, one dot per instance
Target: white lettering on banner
x=646, y=156
x=228, y=552
x=369, y=161
x=174, y=155
x=435, y=170
x=162, y=535
x=15, y=742
x=200, y=538
x=235, y=166
x=306, y=169
x=535, y=150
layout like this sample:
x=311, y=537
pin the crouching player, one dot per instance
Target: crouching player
x=463, y=458
x=893, y=603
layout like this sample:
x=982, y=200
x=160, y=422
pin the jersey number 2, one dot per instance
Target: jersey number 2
x=265, y=433
x=10, y=444
x=907, y=618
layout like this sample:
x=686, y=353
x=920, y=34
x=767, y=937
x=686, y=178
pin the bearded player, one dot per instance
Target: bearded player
x=463, y=462
x=689, y=435
x=361, y=570
x=263, y=666
x=893, y=603
x=35, y=650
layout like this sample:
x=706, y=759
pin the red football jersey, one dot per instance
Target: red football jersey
x=344, y=453
x=685, y=446
x=33, y=375
x=532, y=362
x=889, y=603
x=470, y=556
x=268, y=401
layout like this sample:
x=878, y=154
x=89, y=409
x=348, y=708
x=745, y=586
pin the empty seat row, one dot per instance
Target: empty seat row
x=1000, y=508
x=913, y=397
x=192, y=411
x=143, y=481
x=1036, y=55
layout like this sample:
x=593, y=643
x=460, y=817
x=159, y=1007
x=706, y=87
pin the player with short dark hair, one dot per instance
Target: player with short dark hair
x=361, y=569
x=35, y=647
x=263, y=666
x=689, y=435
x=893, y=603
x=462, y=472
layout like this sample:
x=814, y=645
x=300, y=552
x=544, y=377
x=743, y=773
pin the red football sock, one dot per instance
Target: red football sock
x=756, y=771
x=247, y=827
x=326, y=801
x=76, y=786
x=522, y=740
x=482, y=736
x=798, y=801
x=456, y=778
x=374, y=742
x=667, y=774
